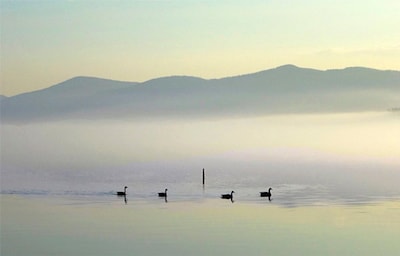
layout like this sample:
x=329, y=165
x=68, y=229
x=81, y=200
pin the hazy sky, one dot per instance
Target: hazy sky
x=46, y=42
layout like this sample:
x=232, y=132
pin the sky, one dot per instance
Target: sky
x=47, y=42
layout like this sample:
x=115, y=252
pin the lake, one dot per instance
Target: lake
x=334, y=180
x=88, y=225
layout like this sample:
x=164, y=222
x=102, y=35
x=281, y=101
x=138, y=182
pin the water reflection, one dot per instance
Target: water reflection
x=200, y=228
x=269, y=197
x=124, y=196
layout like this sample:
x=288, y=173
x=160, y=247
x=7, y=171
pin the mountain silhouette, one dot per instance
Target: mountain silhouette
x=285, y=89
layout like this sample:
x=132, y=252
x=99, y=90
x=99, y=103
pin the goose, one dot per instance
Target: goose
x=120, y=193
x=227, y=196
x=265, y=193
x=163, y=194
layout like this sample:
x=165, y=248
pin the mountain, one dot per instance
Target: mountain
x=285, y=89
x=63, y=100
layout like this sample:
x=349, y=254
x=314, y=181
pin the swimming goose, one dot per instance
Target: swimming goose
x=120, y=193
x=163, y=194
x=227, y=196
x=265, y=193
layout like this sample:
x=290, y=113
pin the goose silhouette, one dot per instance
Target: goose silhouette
x=163, y=194
x=227, y=196
x=266, y=193
x=120, y=193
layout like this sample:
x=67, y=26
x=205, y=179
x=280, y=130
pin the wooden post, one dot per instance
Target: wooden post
x=204, y=177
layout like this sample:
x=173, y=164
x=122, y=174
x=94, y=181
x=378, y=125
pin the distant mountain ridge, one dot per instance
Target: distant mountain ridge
x=285, y=89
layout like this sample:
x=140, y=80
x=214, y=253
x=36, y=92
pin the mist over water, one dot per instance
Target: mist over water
x=334, y=180
x=320, y=158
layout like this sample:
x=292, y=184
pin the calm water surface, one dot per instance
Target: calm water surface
x=97, y=225
x=335, y=181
